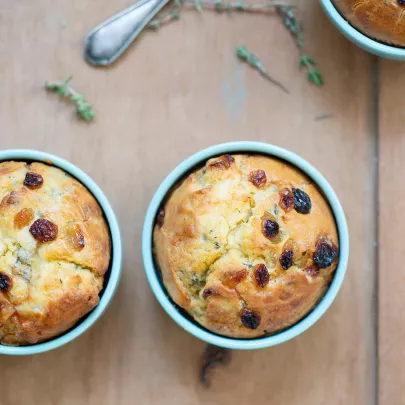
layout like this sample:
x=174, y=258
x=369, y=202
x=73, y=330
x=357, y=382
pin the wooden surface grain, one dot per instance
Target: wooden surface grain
x=176, y=91
x=391, y=227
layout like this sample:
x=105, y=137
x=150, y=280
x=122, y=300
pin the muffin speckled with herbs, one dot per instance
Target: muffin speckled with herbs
x=247, y=245
x=54, y=252
x=382, y=20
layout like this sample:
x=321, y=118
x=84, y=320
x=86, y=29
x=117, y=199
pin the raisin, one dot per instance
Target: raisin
x=325, y=253
x=208, y=292
x=223, y=162
x=23, y=218
x=43, y=230
x=286, y=199
x=302, y=202
x=10, y=199
x=160, y=218
x=232, y=278
x=250, y=319
x=286, y=258
x=313, y=271
x=74, y=236
x=5, y=283
x=262, y=275
x=258, y=178
x=270, y=228
x=33, y=180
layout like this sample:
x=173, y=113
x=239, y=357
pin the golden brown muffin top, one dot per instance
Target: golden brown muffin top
x=382, y=20
x=54, y=251
x=246, y=244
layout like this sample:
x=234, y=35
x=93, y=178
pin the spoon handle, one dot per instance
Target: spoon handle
x=106, y=42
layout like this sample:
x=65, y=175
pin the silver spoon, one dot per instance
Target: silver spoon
x=106, y=42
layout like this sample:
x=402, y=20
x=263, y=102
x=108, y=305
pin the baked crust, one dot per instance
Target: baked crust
x=51, y=284
x=383, y=20
x=209, y=243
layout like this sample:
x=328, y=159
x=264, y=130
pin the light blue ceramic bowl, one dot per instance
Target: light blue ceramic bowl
x=114, y=272
x=363, y=41
x=199, y=159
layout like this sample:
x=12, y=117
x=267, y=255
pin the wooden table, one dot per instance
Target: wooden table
x=179, y=90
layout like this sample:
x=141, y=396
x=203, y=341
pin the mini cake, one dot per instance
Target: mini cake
x=382, y=20
x=54, y=252
x=247, y=245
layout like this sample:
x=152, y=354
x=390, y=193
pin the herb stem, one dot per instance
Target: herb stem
x=84, y=110
x=294, y=25
x=217, y=5
x=221, y=5
x=243, y=54
x=174, y=14
x=266, y=75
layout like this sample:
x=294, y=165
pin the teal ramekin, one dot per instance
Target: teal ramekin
x=361, y=40
x=114, y=273
x=158, y=289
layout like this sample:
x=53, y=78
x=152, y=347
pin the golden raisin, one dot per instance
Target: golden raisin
x=258, y=178
x=223, y=162
x=23, y=218
x=232, y=278
x=10, y=199
x=74, y=236
x=286, y=199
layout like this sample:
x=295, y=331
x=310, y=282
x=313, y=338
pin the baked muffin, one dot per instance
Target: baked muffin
x=54, y=252
x=247, y=245
x=382, y=20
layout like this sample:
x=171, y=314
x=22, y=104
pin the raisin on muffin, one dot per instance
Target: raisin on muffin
x=247, y=245
x=54, y=252
x=382, y=20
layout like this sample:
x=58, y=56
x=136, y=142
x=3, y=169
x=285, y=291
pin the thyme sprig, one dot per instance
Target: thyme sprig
x=212, y=358
x=219, y=6
x=286, y=12
x=243, y=54
x=84, y=110
x=294, y=25
x=173, y=14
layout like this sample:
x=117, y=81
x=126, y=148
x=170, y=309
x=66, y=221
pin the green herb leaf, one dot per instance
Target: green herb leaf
x=306, y=61
x=154, y=24
x=84, y=110
x=198, y=5
x=219, y=6
x=315, y=76
x=243, y=54
x=239, y=6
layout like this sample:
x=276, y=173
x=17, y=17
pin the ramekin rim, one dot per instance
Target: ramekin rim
x=116, y=242
x=162, y=296
x=362, y=40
